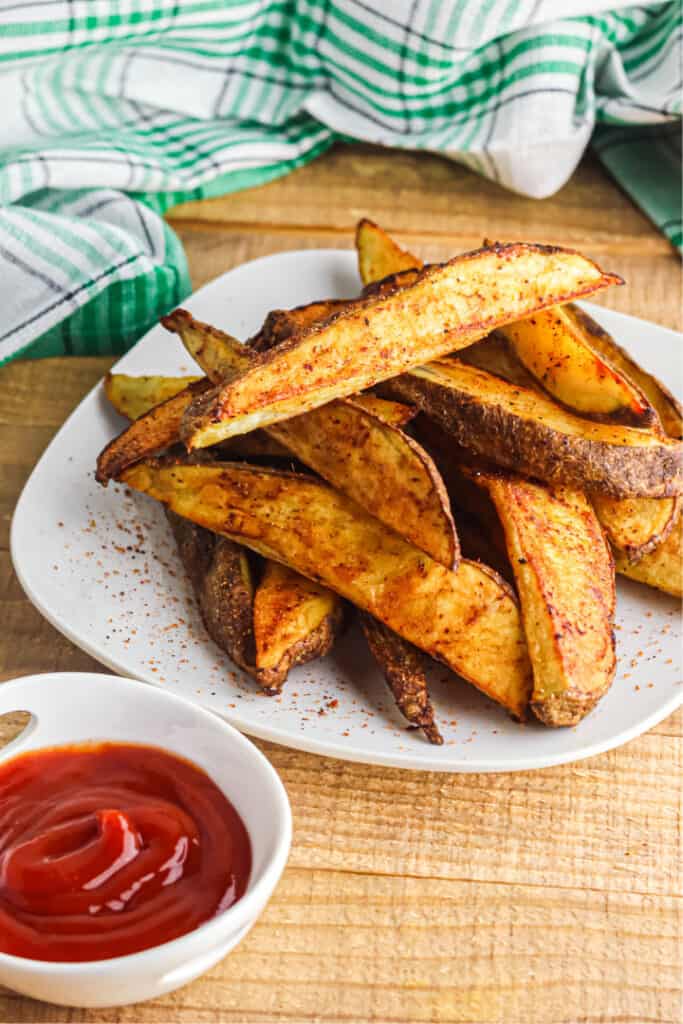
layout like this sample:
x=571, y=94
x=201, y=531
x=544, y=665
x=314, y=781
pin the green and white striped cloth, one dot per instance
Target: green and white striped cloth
x=114, y=110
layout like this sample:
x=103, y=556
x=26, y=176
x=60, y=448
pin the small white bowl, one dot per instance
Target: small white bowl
x=75, y=707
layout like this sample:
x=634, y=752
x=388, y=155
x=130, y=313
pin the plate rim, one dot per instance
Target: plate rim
x=283, y=737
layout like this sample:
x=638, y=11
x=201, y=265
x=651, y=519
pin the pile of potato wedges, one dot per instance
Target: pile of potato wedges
x=325, y=463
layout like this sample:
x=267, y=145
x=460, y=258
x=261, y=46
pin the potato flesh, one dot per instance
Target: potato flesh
x=666, y=406
x=288, y=610
x=448, y=307
x=379, y=255
x=636, y=526
x=661, y=568
x=568, y=613
x=469, y=619
x=381, y=468
x=132, y=397
x=550, y=345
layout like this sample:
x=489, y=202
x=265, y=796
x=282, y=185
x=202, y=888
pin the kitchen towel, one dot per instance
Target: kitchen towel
x=114, y=110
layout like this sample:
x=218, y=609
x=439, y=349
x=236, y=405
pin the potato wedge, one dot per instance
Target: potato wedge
x=219, y=572
x=565, y=581
x=446, y=308
x=467, y=619
x=385, y=471
x=295, y=621
x=527, y=432
x=139, y=395
x=552, y=347
x=662, y=568
x=369, y=460
x=379, y=255
x=401, y=665
x=153, y=432
x=668, y=408
x=636, y=526
x=132, y=397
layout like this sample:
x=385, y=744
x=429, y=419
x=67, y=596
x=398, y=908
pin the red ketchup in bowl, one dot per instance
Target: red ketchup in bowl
x=108, y=849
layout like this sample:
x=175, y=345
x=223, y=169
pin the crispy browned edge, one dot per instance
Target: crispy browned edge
x=530, y=448
x=572, y=705
x=383, y=290
x=401, y=665
x=148, y=435
x=280, y=323
x=667, y=406
x=316, y=644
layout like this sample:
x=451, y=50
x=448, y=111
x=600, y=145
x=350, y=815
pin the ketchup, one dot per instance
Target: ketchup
x=107, y=849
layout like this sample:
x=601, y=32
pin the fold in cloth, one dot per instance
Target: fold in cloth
x=113, y=112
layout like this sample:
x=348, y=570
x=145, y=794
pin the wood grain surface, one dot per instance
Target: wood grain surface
x=551, y=897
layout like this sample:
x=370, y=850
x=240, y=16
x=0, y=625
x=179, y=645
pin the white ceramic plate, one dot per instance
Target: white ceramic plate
x=101, y=566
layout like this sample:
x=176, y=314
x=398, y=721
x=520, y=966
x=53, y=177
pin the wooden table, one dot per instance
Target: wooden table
x=539, y=898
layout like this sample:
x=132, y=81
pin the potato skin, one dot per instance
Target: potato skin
x=401, y=665
x=463, y=401
x=219, y=573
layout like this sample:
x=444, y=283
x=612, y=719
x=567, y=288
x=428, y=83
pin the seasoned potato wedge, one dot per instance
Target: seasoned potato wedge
x=447, y=307
x=365, y=457
x=401, y=665
x=552, y=346
x=467, y=619
x=527, y=432
x=153, y=432
x=667, y=407
x=132, y=397
x=219, y=572
x=385, y=471
x=379, y=255
x=661, y=568
x=565, y=580
x=295, y=621
x=636, y=526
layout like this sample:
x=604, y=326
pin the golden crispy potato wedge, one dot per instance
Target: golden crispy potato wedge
x=552, y=346
x=366, y=458
x=295, y=621
x=667, y=407
x=565, y=581
x=636, y=526
x=401, y=666
x=385, y=471
x=153, y=432
x=379, y=255
x=529, y=433
x=219, y=572
x=446, y=308
x=132, y=397
x=467, y=619
x=661, y=568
